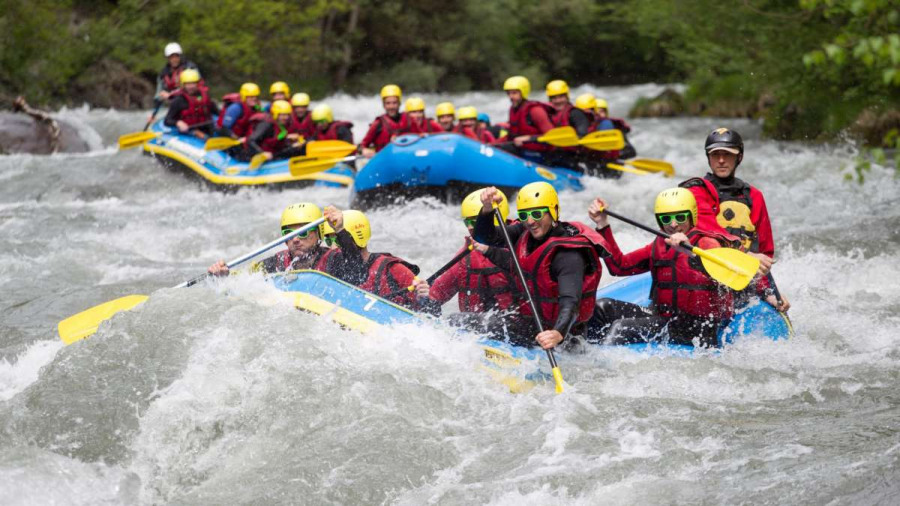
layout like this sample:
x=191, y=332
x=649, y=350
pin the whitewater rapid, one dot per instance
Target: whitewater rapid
x=224, y=394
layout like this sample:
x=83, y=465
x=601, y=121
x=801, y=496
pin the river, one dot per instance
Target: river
x=218, y=394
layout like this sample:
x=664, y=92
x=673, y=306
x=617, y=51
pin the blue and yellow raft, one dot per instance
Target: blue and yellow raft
x=185, y=152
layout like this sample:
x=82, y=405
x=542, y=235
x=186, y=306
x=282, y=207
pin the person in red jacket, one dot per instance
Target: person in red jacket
x=566, y=115
x=238, y=108
x=329, y=129
x=481, y=285
x=446, y=116
x=301, y=121
x=416, y=122
x=687, y=304
x=191, y=109
x=388, y=125
x=470, y=126
x=527, y=119
x=380, y=273
x=270, y=135
x=730, y=204
x=560, y=261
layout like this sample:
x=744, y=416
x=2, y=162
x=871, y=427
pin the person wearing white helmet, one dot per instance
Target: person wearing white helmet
x=169, y=79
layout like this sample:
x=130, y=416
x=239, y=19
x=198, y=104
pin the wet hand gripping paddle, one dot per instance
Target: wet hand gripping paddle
x=557, y=374
x=733, y=268
x=85, y=323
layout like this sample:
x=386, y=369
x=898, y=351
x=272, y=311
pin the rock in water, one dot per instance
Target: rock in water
x=20, y=133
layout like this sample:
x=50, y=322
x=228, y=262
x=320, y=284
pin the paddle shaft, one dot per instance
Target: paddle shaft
x=159, y=104
x=648, y=229
x=431, y=279
x=241, y=259
x=515, y=261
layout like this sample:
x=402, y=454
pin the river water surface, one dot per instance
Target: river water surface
x=220, y=394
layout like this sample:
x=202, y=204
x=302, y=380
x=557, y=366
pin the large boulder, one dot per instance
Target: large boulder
x=20, y=133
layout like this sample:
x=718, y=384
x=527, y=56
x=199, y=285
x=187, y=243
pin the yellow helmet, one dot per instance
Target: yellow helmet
x=601, y=104
x=322, y=112
x=391, y=90
x=249, y=90
x=675, y=200
x=280, y=87
x=467, y=113
x=300, y=99
x=586, y=102
x=557, y=87
x=280, y=107
x=414, y=104
x=303, y=212
x=190, y=76
x=325, y=229
x=357, y=224
x=444, y=108
x=540, y=194
x=471, y=205
x=518, y=83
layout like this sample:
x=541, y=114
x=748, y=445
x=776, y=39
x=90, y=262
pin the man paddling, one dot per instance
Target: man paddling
x=380, y=273
x=388, y=125
x=565, y=115
x=239, y=108
x=169, y=79
x=527, y=118
x=686, y=302
x=416, y=121
x=271, y=137
x=446, y=116
x=303, y=250
x=472, y=128
x=726, y=202
x=301, y=120
x=191, y=109
x=560, y=261
x=329, y=129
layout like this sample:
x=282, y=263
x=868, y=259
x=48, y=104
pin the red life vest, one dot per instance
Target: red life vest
x=387, y=130
x=428, y=126
x=172, y=77
x=241, y=126
x=304, y=127
x=520, y=123
x=679, y=288
x=198, y=110
x=272, y=143
x=560, y=119
x=708, y=207
x=486, y=286
x=379, y=280
x=536, y=266
x=283, y=261
x=331, y=132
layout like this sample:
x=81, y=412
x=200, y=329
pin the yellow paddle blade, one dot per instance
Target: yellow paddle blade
x=85, y=323
x=136, y=139
x=622, y=168
x=218, y=143
x=257, y=160
x=329, y=149
x=652, y=165
x=603, y=140
x=563, y=137
x=733, y=268
x=301, y=166
x=557, y=377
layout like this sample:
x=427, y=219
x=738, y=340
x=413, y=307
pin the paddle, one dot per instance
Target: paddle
x=257, y=161
x=220, y=143
x=557, y=374
x=431, y=279
x=562, y=137
x=623, y=168
x=603, y=140
x=303, y=165
x=85, y=323
x=733, y=268
x=652, y=165
x=136, y=139
x=329, y=149
x=159, y=104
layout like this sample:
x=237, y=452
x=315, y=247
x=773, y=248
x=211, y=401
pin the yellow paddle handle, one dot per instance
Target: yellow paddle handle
x=557, y=377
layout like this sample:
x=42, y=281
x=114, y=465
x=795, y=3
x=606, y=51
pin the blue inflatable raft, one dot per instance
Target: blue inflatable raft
x=448, y=166
x=185, y=152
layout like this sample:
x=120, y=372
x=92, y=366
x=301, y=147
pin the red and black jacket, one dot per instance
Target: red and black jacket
x=481, y=285
x=521, y=122
x=383, y=130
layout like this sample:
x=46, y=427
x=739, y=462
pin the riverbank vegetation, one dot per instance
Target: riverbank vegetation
x=811, y=68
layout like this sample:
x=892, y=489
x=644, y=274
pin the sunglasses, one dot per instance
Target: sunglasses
x=302, y=235
x=330, y=240
x=665, y=219
x=470, y=222
x=536, y=214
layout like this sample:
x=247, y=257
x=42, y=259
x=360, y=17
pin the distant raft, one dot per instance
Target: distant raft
x=448, y=166
x=186, y=153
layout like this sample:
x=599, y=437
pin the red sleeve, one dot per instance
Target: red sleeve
x=369, y=139
x=760, y=219
x=489, y=137
x=448, y=284
x=468, y=132
x=618, y=264
x=541, y=119
x=403, y=277
x=436, y=126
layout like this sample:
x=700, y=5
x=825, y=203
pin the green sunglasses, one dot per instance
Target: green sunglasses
x=665, y=219
x=330, y=240
x=302, y=235
x=536, y=214
x=470, y=222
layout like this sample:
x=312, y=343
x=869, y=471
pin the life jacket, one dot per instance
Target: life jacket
x=388, y=129
x=486, y=286
x=730, y=213
x=304, y=127
x=198, y=110
x=536, y=267
x=331, y=132
x=171, y=78
x=283, y=261
x=520, y=123
x=241, y=126
x=274, y=142
x=560, y=119
x=480, y=135
x=428, y=126
x=680, y=288
x=379, y=280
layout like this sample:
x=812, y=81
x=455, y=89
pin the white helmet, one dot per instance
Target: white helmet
x=172, y=48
